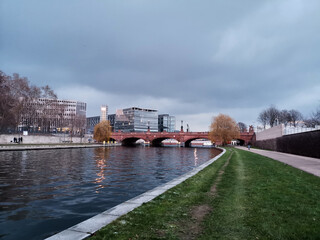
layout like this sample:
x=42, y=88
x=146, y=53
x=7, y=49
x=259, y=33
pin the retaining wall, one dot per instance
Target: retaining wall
x=270, y=133
x=41, y=139
x=305, y=144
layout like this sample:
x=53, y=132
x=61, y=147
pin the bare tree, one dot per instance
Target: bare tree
x=20, y=106
x=284, y=117
x=20, y=91
x=269, y=116
x=30, y=116
x=7, y=103
x=80, y=124
x=47, y=92
x=316, y=116
x=242, y=126
x=76, y=124
x=314, y=119
x=273, y=116
x=263, y=118
x=47, y=109
x=295, y=117
x=60, y=109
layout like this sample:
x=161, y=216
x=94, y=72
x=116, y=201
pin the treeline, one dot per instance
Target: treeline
x=273, y=116
x=15, y=95
x=22, y=109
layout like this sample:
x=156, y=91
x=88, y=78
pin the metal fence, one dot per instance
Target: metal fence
x=294, y=130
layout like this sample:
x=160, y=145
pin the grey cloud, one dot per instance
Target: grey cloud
x=207, y=55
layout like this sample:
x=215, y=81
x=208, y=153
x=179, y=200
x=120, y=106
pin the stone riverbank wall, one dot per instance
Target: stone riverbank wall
x=42, y=139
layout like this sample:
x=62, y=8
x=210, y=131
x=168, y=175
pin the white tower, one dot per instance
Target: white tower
x=104, y=113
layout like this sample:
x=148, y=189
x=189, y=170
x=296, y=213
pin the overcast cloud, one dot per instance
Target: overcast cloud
x=191, y=59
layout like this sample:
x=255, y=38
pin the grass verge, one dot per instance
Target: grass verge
x=254, y=198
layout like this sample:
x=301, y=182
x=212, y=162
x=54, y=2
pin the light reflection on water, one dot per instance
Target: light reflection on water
x=43, y=192
x=195, y=157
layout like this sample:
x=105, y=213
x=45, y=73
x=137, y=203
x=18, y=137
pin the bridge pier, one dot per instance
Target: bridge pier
x=182, y=144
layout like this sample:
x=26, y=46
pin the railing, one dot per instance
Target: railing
x=162, y=133
x=294, y=130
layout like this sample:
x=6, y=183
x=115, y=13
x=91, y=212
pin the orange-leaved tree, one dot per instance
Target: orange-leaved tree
x=102, y=131
x=223, y=129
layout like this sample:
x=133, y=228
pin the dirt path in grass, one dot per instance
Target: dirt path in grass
x=191, y=229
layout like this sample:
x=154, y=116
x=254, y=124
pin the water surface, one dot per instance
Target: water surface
x=43, y=192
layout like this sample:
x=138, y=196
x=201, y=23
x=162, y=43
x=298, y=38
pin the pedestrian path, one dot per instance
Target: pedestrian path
x=307, y=164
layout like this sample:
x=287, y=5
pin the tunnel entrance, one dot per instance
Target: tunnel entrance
x=240, y=142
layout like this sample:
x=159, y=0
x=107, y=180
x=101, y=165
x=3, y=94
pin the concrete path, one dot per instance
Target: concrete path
x=307, y=164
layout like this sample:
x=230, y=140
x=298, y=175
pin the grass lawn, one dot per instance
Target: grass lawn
x=241, y=196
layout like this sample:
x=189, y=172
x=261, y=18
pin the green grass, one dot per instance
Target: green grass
x=257, y=198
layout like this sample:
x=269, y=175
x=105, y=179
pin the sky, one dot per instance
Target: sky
x=190, y=59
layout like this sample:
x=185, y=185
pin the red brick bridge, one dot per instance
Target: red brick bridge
x=184, y=138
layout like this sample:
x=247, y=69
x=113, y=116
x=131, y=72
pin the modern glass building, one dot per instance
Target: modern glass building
x=166, y=123
x=91, y=123
x=135, y=119
x=112, y=119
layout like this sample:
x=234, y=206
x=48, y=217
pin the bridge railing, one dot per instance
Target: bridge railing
x=162, y=133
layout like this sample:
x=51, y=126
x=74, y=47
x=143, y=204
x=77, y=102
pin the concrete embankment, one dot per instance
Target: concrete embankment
x=44, y=139
x=39, y=142
x=23, y=147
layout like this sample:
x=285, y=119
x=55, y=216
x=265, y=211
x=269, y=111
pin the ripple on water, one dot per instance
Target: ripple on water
x=45, y=191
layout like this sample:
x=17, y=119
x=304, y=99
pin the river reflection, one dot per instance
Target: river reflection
x=43, y=192
x=101, y=157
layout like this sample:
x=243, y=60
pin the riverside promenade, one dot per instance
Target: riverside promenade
x=307, y=164
x=22, y=147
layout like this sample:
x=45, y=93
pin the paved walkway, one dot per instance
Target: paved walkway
x=307, y=164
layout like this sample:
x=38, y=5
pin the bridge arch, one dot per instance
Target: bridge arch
x=241, y=142
x=131, y=141
x=157, y=141
x=187, y=143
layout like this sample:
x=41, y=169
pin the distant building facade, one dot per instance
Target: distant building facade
x=104, y=113
x=166, y=123
x=54, y=115
x=91, y=123
x=112, y=119
x=134, y=119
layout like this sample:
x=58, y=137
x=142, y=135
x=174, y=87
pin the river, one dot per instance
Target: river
x=43, y=192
